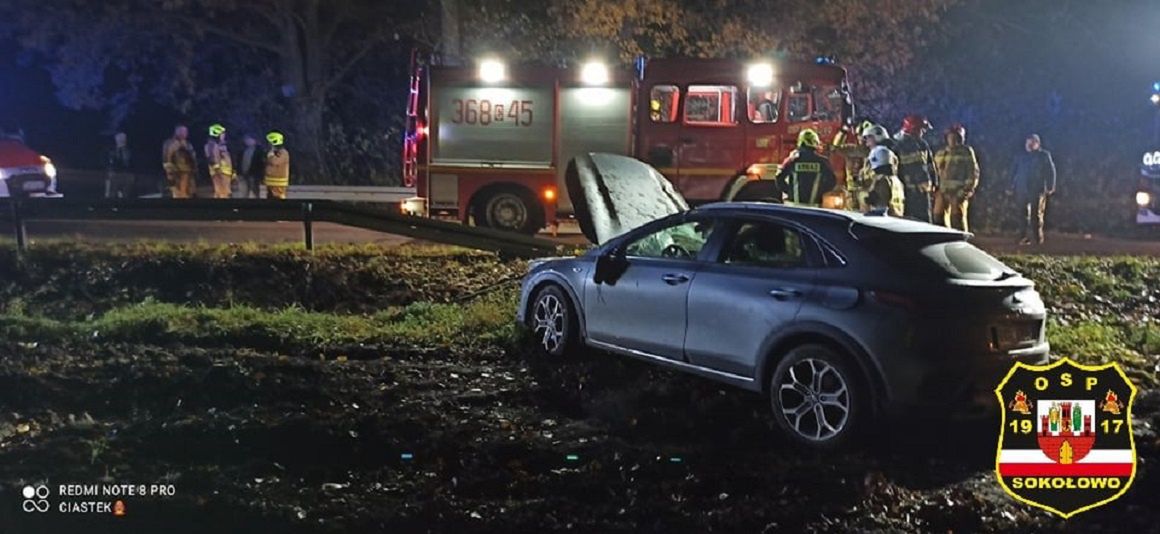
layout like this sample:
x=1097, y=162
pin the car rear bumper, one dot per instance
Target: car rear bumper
x=964, y=385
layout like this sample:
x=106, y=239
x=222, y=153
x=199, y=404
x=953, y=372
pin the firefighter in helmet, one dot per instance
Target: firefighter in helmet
x=886, y=195
x=848, y=143
x=180, y=163
x=958, y=172
x=221, y=167
x=916, y=166
x=277, y=167
x=806, y=175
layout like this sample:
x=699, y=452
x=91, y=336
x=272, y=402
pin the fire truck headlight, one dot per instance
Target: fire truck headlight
x=760, y=75
x=1143, y=198
x=1156, y=98
x=50, y=170
x=594, y=73
x=492, y=71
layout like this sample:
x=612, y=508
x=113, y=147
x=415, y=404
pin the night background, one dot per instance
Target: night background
x=334, y=74
x=379, y=383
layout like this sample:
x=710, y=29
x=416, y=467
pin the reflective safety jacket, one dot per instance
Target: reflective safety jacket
x=278, y=167
x=854, y=154
x=958, y=169
x=805, y=176
x=888, y=192
x=218, y=156
x=915, y=163
x=178, y=156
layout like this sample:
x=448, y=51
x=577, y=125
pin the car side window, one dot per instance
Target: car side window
x=766, y=244
x=680, y=241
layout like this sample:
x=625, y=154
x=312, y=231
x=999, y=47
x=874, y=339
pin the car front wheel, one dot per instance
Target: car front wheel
x=553, y=322
x=817, y=398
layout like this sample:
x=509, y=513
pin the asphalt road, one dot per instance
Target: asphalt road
x=289, y=232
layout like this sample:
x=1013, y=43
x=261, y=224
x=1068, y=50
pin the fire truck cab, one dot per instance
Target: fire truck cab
x=490, y=144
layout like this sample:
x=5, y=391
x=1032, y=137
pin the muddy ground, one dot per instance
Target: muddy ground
x=498, y=442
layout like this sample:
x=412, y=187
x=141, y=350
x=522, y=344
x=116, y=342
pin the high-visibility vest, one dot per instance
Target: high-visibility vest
x=278, y=168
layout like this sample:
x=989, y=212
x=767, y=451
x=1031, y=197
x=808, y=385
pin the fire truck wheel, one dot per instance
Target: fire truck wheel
x=511, y=209
x=817, y=396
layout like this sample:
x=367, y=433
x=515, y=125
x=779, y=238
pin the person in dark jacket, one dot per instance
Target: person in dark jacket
x=251, y=165
x=806, y=175
x=119, y=180
x=916, y=167
x=1033, y=179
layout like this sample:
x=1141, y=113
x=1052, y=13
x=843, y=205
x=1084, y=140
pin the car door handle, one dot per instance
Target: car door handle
x=784, y=293
x=675, y=279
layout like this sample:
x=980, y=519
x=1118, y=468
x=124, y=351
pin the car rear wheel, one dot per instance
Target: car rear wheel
x=553, y=322
x=817, y=397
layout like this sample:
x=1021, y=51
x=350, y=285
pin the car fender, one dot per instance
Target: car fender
x=546, y=276
x=805, y=330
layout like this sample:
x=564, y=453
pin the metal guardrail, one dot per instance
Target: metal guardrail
x=20, y=211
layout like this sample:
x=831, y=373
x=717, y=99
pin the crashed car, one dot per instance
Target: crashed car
x=24, y=172
x=837, y=317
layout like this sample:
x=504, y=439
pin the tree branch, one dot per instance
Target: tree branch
x=236, y=37
x=353, y=59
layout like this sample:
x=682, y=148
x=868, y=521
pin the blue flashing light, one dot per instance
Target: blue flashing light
x=639, y=65
x=407, y=456
x=675, y=459
x=825, y=60
x=572, y=457
x=1156, y=86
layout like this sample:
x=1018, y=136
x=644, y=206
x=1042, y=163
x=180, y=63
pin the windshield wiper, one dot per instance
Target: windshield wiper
x=1006, y=275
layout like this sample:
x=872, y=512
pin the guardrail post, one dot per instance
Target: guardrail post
x=18, y=227
x=308, y=224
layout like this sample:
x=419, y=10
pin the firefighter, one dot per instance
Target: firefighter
x=958, y=172
x=886, y=195
x=848, y=144
x=916, y=167
x=180, y=163
x=217, y=156
x=806, y=175
x=277, y=167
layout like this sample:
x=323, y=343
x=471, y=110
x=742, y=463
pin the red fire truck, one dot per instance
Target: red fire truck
x=489, y=144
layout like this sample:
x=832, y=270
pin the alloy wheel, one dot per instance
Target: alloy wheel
x=814, y=399
x=550, y=318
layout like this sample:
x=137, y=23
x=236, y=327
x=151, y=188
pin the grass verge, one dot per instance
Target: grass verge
x=485, y=322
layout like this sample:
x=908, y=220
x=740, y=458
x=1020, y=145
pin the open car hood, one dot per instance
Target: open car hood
x=613, y=194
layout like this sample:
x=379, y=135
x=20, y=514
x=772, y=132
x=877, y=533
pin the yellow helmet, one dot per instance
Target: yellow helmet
x=809, y=138
x=275, y=138
x=216, y=130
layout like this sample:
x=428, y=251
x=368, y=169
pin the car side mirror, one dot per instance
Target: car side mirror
x=609, y=267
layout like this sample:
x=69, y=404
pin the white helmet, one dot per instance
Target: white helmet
x=880, y=156
x=877, y=132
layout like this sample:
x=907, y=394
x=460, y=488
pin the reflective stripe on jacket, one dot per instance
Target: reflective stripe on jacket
x=957, y=168
x=278, y=168
x=218, y=155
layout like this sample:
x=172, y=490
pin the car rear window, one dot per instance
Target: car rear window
x=964, y=261
x=937, y=255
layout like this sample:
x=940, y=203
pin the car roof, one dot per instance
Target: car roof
x=804, y=214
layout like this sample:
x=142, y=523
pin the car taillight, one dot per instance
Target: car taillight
x=896, y=300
